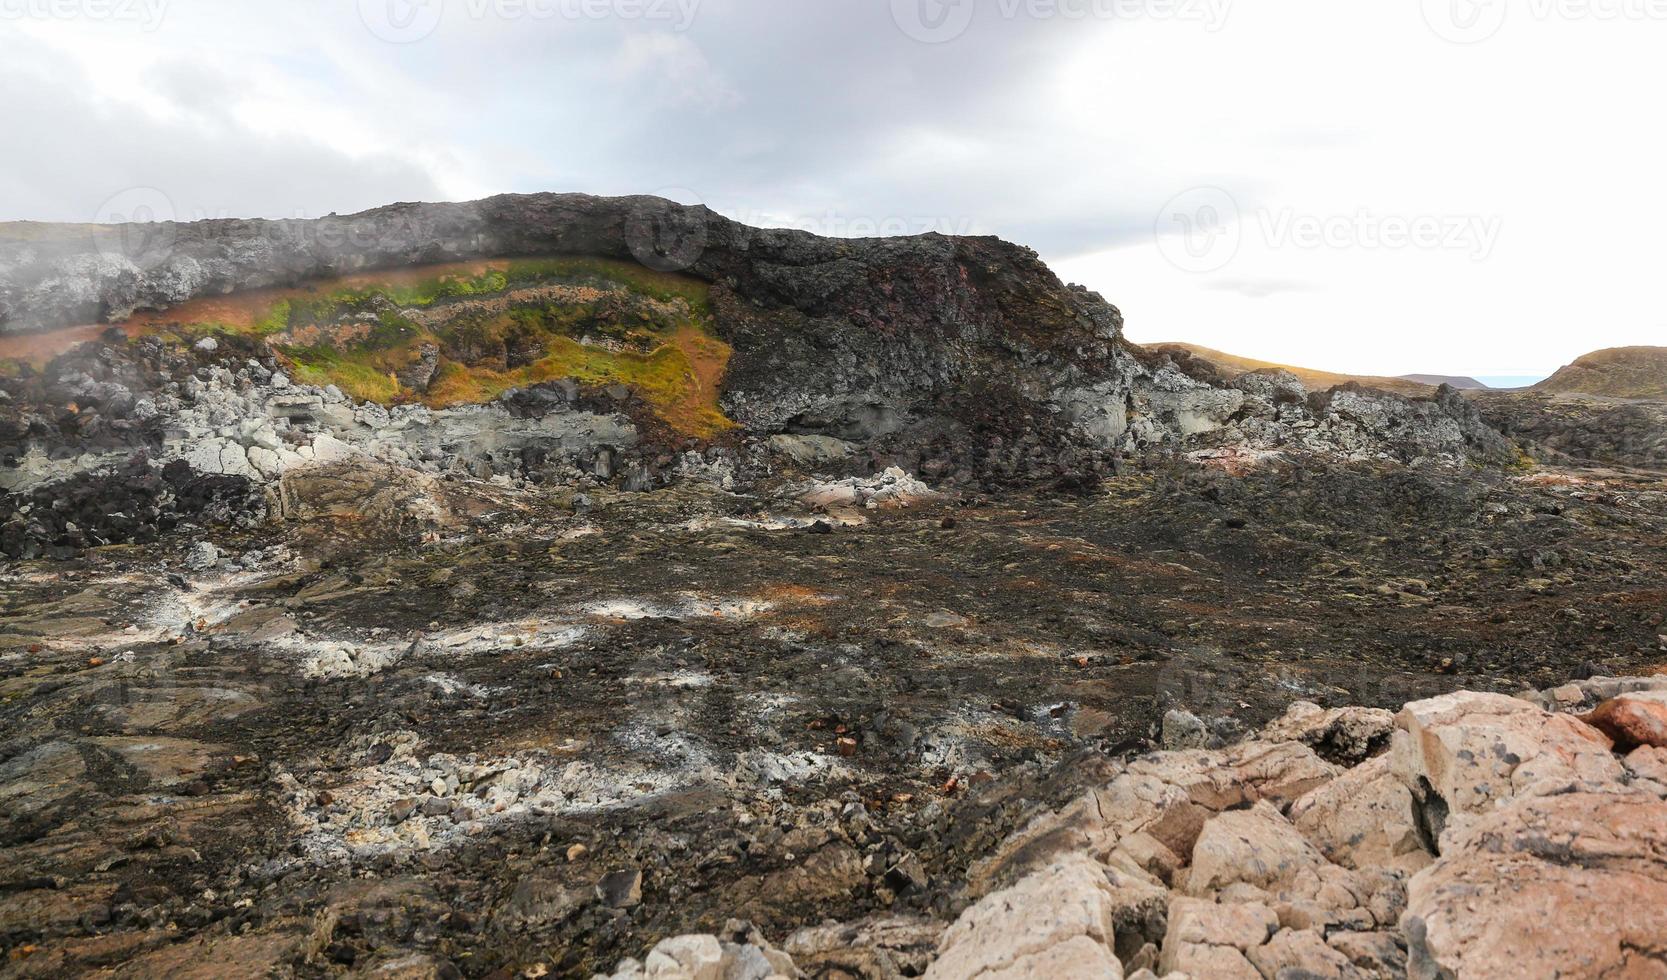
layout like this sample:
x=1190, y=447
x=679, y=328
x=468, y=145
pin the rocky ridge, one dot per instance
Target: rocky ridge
x=961, y=360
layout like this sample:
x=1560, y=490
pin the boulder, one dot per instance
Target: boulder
x=1157, y=806
x=1463, y=754
x=1300, y=953
x=1062, y=921
x=1256, y=847
x=1364, y=819
x=1209, y=940
x=1647, y=769
x=1570, y=885
x=706, y=957
x=1633, y=720
x=1346, y=735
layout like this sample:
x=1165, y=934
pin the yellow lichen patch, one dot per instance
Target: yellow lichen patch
x=484, y=327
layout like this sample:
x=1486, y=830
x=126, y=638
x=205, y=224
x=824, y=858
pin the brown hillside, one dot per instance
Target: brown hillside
x=1620, y=372
x=1232, y=365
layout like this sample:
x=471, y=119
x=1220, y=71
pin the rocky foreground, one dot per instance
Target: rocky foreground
x=1469, y=835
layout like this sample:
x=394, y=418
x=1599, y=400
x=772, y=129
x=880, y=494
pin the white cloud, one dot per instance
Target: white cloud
x=674, y=70
x=1359, y=122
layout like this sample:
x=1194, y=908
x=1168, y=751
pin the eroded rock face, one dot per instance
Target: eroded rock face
x=962, y=357
x=1463, y=754
x=1364, y=818
x=1573, y=884
x=1061, y=921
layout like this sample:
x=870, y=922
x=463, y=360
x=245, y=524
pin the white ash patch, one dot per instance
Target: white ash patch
x=480, y=638
x=409, y=803
x=688, y=606
x=682, y=680
x=770, y=522
x=893, y=488
x=627, y=609
x=341, y=659
x=452, y=686
x=173, y=612
x=787, y=768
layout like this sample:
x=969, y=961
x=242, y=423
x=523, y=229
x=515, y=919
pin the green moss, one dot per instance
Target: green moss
x=358, y=379
x=664, y=350
x=276, y=319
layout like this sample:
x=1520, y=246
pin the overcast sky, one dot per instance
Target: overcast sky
x=1454, y=186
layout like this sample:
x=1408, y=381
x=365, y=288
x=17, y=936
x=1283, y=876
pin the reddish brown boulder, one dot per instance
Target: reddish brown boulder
x=1633, y=720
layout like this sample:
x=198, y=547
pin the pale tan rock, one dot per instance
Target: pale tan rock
x=1256, y=847
x=1075, y=897
x=1463, y=754
x=1282, y=773
x=1240, y=775
x=686, y=958
x=1349, y=734
x=1080, y=958
x=1146, y=853
x=1300, y=952
x=1364, y=819
x=1648, y=768
x=1209, y=940
x=1215, y=962
x=1197, y=920
x=1167, y=797
x=1330, y=897
x=1573, y=885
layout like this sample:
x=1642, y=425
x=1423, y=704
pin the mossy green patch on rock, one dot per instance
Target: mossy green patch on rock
x=465, y=332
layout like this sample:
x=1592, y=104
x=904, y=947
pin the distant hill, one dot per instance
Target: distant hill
x=1620, y=372
x=1232, y=365
x=1437, y=380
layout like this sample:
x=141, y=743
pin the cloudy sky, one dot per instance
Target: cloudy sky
x=1453, y=186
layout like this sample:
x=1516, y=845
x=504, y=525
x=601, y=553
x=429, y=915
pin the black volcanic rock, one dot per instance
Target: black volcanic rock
x=858, y=337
